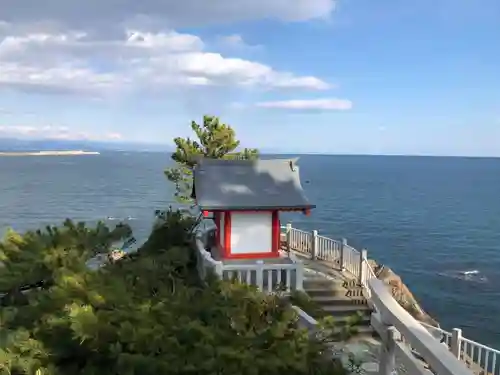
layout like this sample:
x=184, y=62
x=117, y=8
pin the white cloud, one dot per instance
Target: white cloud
x=53, y=132
x=92, y=14
x=321, y=104
x=77, y=61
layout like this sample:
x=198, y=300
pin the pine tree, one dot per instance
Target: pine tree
x=215, y=140
x=146, y=314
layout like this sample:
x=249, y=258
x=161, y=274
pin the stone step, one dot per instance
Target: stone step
x=324, y=292
x=325, y=287
x=328, y=300
x=353, y=283
x=362, y=329
x=317, y=282
x=364, y=318
x=315, y=274
x=355, y=293
x=347, y=310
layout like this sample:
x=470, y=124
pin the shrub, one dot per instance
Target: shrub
x=146, y=314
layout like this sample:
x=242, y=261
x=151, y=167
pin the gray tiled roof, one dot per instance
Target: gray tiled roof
x=248, y=184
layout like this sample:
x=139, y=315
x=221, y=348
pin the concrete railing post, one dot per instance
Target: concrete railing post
x=343, y=256
x=219, y=269
x=288, y=232
x=456, y=338
x=259, y=275
x=362, y=269
x=314, y=244
x=299, y=282
x=387, y=360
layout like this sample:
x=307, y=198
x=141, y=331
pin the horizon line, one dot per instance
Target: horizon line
x=171, y=147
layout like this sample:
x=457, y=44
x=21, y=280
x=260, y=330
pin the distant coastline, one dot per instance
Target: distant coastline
x=49, y=153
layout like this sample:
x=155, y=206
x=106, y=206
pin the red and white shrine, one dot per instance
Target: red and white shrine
x=245, y=198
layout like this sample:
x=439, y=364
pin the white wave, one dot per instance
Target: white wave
x=472, y=272
x=465, y=275
x=112, y=218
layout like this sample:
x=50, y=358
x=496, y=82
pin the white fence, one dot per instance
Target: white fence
x=476, y=356
x=440, y=352
x=480, y=359
x=338, y=253
x=400, y=333
x=268, y=277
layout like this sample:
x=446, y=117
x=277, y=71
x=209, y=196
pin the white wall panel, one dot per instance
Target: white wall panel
x=251, y=232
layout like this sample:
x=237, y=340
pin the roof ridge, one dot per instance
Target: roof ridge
x=237, y=162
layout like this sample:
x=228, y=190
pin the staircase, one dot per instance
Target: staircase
x=340, y=298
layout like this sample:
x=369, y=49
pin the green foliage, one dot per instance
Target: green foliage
x=214, y=140
x=330, y=329
x=176, y=226
x=145, y=314
x=301, y=299
x=35, y=257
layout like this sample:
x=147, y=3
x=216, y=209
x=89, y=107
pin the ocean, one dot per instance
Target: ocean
x=428, y=218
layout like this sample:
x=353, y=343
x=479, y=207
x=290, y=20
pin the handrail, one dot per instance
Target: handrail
x=268, y=277
x=436, y=355
x=330, y=250
x=401, y=333
x=244, y=267
x=478, y=357
x=481, y=358
x=204, y=258
x=368, y=275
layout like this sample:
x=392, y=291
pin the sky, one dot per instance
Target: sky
x=322, y=76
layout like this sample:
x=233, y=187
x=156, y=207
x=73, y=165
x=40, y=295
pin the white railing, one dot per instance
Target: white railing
x=398, y=329
x=352, y=261
x=338, y=253
x=476, y=356
x=328, y=249
x=482, y=360
x=299, y=240
x=479, y=357
x=367, y=275
x=268, y=277
x=204, y=260
x=400, y=333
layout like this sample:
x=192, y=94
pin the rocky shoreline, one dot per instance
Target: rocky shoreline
x=49, y=153
x=401, y=293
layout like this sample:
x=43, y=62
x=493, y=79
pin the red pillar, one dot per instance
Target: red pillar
x=276, y=233
x=227, y=234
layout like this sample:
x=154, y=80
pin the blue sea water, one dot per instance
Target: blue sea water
x=427, y=218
